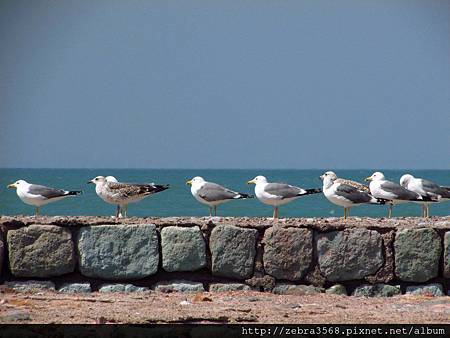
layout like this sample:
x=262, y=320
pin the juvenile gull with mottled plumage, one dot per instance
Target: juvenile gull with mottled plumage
x=39, y=195
x=346, y=193
x=123, y=194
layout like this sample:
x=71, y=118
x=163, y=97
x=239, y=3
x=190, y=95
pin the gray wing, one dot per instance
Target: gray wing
x=213, y=192
x=432, y=189
x=397, y=190
x=353, y=194
x=283, y=190
x=46, y=191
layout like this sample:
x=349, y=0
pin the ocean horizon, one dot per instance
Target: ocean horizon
x=178, y=201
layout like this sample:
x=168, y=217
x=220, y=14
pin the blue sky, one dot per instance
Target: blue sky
x=225, y=84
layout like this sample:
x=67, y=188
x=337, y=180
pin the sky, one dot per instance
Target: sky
x=225, y=84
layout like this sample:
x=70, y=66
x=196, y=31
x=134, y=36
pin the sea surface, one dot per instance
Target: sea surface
x=178, y=201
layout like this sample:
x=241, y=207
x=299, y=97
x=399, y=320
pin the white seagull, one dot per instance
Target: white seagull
x=122, y=194
x=213, y=194
x=39, y=195
x=425, y=188
x=277, y=194
x=388, y=190
x=346, y=193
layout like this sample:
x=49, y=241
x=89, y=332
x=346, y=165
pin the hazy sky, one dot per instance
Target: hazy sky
x=225, y=84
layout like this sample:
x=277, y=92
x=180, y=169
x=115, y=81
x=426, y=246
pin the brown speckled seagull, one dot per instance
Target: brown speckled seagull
x=123, y=194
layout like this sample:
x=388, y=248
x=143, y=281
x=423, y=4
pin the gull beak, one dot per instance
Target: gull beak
x=367, y=179
x=91, y=181
x=251, y=182
x=189, y=182
x=11, y=186
x=321, y=177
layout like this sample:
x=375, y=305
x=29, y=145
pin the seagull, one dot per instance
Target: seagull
x=104, y=196
x=388, y=190
x=122, y=194
x=425, y=188
x=346, y=193
x=39, y=195
x=213, y=194
x=277, y=194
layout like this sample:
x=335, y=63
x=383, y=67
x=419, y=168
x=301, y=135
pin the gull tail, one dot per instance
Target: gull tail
x=380, y=201
x=426, y=199
x=446, y=192
x=243, y=196
x=311, y=191
x=73, y=193
x=160, y=187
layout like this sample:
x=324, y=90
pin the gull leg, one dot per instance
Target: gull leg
x=389, y=210
x=37, y=211
x=117, y=211
x=427, y=210
x=275, y=213
x=215, y=210
x=345, y=213
x=210, y=211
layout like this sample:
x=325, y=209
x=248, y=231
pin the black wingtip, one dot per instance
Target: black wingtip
x=382, y=201
x=161, y=187
x=313, y=191
x=74, y=192
x=244, y=196
x=427, y=199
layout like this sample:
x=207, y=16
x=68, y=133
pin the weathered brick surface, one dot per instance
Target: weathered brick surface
x=183, y=249
x=287, y=252
x=417, y=254
x=40, y=251
x=349, y=254
x=118, y=251
x=233, y=251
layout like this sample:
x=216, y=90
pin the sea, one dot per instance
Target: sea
x=178, y=201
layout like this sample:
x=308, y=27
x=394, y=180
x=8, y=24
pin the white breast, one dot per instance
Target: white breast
x=269, y=199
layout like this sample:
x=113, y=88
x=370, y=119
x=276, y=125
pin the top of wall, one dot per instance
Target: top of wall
x=320, y=224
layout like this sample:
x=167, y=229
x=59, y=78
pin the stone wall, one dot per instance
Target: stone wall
x=361, y=256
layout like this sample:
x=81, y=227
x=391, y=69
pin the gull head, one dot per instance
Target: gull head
x=111, y=179
x=329, y=175
x=376, y=176
x=97, y=180
x=195, y=180
x=16, y=184
x=405, y=179
x=257, y=180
